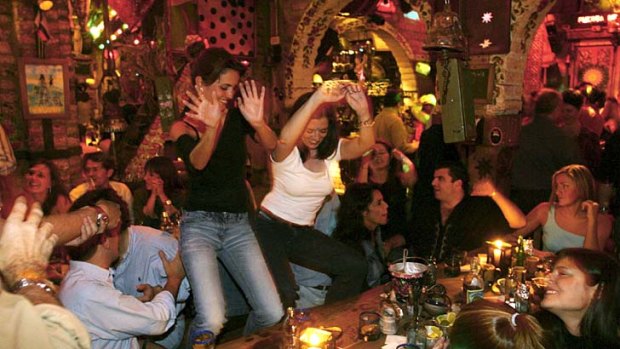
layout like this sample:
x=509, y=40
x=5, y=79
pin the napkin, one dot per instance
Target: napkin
x=392, y=341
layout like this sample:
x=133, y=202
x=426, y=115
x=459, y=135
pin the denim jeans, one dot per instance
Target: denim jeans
x=207, y=236
x=312, y=249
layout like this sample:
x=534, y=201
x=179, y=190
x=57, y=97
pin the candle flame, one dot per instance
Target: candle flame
x=498, y=243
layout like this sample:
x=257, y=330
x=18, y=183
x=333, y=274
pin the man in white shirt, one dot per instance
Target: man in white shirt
x=115, y=320
x=140, y=264
x=97, y=169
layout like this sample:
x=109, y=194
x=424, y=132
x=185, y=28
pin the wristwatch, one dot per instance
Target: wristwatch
x=43, y=284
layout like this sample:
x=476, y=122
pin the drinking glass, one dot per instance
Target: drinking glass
x=203, y=339
x=369, y=329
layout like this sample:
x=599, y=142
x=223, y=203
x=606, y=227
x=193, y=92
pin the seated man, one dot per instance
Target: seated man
x=112, y=318
x=459, y=221
x=140, y=264
x=32, y=316
x=97, y=170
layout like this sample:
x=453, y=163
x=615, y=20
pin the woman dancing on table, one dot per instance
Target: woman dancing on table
x=215, y=224
x=300, y=161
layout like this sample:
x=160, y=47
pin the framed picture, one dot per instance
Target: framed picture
x=481, y=78
x=44, y=85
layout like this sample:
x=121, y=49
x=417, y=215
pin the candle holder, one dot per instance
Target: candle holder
x=316, y=338
x=499, y=254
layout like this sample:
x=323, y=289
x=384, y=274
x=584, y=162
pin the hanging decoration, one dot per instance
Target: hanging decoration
x=131, y=12
x=487, y=24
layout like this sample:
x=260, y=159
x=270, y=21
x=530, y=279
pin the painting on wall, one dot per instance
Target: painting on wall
x=592, y=64
x=45, y=87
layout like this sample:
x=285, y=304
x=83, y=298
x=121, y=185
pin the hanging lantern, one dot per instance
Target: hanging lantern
x=445, y=32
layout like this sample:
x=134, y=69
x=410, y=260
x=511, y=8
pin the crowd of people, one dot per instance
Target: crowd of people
x=128, y=281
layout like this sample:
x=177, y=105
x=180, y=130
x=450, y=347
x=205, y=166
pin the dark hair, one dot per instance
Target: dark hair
x=394, y=164
x=99, y=157
x=86, y=250
x=484, y=324
x=600, y=324
x=330, y=142
x=56, y=189
x=547, y=101
x=164, y=167
x=350, y=228
x=573, y=97
x=213, y=62
x=457, y=171
x=392, y=98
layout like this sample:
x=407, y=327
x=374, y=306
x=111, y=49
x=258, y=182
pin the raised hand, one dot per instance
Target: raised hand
x=252, y=103
x=483, y=187
x=25, y=247
x=591, y=208
x=207, y=110
x=332, y=91
x=356, y=98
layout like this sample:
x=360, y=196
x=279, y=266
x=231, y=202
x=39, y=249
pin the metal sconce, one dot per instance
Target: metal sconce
x=45, y=5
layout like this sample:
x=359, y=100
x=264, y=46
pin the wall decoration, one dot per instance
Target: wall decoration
x=487, y=26
x=44, y=87
x=592, y=64
x=228, y=24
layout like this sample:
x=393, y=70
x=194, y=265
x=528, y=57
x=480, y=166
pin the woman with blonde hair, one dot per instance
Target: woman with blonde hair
x=485, y=324
x=571, y=217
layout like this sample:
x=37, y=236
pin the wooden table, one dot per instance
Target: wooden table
x=343, y=314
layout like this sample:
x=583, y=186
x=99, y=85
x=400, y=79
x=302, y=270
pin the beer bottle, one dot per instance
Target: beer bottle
x=473, y=284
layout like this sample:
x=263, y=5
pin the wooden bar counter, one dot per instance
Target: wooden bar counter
x=343, y=314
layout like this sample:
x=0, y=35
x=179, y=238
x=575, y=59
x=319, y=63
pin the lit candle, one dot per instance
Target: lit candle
x=482, y=257
x=497, y=256
x=314, y=338
x=497, y=252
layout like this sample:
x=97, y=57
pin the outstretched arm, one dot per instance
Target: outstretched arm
x=511, y=212
x=252, y=107
x=536, y=218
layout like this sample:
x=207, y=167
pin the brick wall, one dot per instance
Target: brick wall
x=57, y=138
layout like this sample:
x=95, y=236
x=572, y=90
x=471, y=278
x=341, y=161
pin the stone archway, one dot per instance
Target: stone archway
x=402, y=49
x=310, y=30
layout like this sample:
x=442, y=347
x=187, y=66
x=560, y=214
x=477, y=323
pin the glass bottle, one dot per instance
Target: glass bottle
x=522, y=296
x=431, y=273
x=473, y=284
x=520, y=252
x=509, y=286
x=166, y=222
x=291, y=329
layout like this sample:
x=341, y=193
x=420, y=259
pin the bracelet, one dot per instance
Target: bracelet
x=43, y=284
x=168, y=202
x=368, y=123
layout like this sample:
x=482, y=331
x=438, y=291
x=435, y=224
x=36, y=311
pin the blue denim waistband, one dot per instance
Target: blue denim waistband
x=221, y=217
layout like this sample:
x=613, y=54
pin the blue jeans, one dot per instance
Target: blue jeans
x=207, y=236
x=284, y=244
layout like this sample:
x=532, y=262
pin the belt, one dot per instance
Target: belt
x=321, y=287
x=270, y=216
